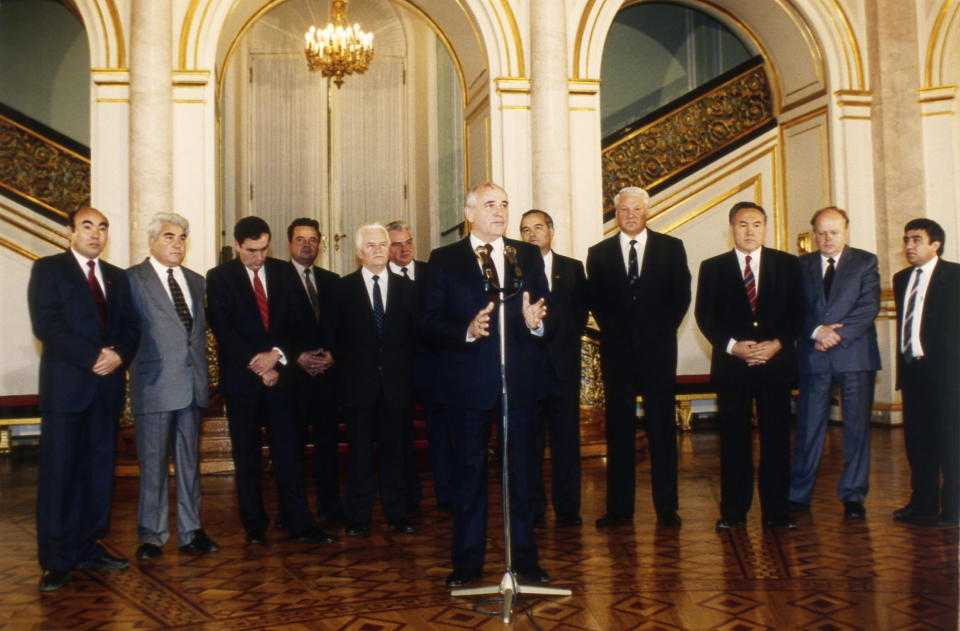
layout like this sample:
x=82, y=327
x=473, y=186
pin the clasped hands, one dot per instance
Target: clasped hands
x=264, y=365
x=533, y=315
x=315, y=362
x=756, y=353
x=107, y=361
x=827, y=337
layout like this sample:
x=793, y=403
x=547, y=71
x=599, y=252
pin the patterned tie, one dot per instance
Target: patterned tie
x=496, y=276
x=750, y=285
x=97, y=292
x=633, y=265
x=377, y=304
x=261, y=300
x=312, y=292
x=403, y=270
x=828, y=278
x=908, y=317
x=178, y=301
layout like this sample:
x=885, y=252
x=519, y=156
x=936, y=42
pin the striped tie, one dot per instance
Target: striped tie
x=908, y=317
x=750, y=285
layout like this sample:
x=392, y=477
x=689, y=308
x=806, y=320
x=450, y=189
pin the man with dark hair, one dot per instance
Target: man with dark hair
x=639, y=287
x=837, y=346
x=81, y=312
x=749, y=309
x=459, y=319
x=559, y=409
x=250, y=304
x=927, y=296
x=314, y=401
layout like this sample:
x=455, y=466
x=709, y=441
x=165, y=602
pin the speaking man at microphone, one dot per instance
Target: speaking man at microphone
x=461, y=319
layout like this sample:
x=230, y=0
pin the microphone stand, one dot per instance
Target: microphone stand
x=509, y=587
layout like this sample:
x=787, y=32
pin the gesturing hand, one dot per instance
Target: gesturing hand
x=533, y=313
x=480, y=325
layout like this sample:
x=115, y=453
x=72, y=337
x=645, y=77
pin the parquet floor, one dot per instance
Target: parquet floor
x=827, y=575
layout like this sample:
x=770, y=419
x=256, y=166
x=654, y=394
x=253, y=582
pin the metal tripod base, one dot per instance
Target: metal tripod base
x=509, y=588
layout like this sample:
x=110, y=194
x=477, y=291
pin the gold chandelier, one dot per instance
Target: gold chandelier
x=339, y=50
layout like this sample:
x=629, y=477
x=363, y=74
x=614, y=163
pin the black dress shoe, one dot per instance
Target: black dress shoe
x=944, y=520
x=569, y=519
x=103, y=562
x=148, y=551
x=610, y=521
x=854, y=510
x=729, y=523
x=459, y=578
x=355, y=529
x=532, y=574
x=914, y=515
x=780, y=523
x=52, y=580
x=314, y=535
x=797, y=507
x=256, y=537
x=200, y=543
x=403, y=526
x=669, y=520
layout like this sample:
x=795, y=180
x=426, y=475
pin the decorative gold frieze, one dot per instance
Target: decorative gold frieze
x=691, y=133
x=42, y=170
x=591, y=378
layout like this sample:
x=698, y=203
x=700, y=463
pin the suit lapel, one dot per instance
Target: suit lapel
x=155, y=291
x=736, y=278
x=247, y=298
x=814, y=280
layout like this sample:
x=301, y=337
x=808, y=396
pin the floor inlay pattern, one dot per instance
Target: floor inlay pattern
x=829, y=574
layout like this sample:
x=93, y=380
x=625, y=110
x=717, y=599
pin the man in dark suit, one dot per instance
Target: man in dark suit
x=376, y=339
x=927, y=296
x=402, y=263
x=837, y=345
x=169, y=387
x=81, y=312
x=315, y=404
x=750, y=311
x=459, y=318
x=639, y=291
x=559, y=409
x=250, y=303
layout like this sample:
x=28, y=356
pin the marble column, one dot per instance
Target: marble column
x=151, y=118
x=550, y=118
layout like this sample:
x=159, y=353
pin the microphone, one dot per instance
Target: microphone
x=487, y=265
x=510, y=253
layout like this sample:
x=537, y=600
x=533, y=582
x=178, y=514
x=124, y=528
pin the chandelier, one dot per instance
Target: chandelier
x=339, y=50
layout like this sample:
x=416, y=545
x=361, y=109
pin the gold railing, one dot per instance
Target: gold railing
x=688, y=135
x=41, y=170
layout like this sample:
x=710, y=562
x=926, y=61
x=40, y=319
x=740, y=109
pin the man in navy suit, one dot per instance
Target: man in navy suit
x=459, y=318
x=837, y=346
x=169, y=387
x=639, y=287
x=559, y=409
x=376, y=339
x=81, y=312
x=315, y=403
x=250, y=305
x=927, y=296
x=749, y=309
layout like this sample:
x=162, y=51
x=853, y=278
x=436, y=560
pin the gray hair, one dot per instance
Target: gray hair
x=367, y=227
x=397, y=225
x=633, y=190
x=157, y=221
x=471, y=200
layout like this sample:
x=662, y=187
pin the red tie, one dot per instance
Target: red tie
x=751, y=285
x=261, y=300
x=97, y=293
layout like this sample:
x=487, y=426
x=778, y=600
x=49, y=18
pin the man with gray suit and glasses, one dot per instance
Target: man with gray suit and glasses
x=169, y=387
x=837, y=346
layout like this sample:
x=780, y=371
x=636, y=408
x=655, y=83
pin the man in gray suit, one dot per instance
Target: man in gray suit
x=169, y=386
x=837, y=346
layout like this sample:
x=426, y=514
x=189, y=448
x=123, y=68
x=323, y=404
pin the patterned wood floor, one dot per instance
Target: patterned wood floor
x=827, y=575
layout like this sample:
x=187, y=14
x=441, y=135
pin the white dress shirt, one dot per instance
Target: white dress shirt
x=548, y=268
x=915, y=344
x=396, y=269
x=641, y=247
x=382, y=280
x=262, y=272
x=97, y=272
x=755, y=268
x=178, y=276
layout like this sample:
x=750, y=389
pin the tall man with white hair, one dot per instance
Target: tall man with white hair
x=375, y=339
x=169, y=386
x=639, y=290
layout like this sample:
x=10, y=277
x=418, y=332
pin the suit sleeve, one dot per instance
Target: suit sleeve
x=861, y=317
x=680, y=284
x=595, y=292
x=221, y=313
x=128, y=329
x=706, y=307
x=49, y=318
x=789, y=325
x=436, y=323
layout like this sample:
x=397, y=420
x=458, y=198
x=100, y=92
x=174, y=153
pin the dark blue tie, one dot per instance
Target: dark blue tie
x=377, y=304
